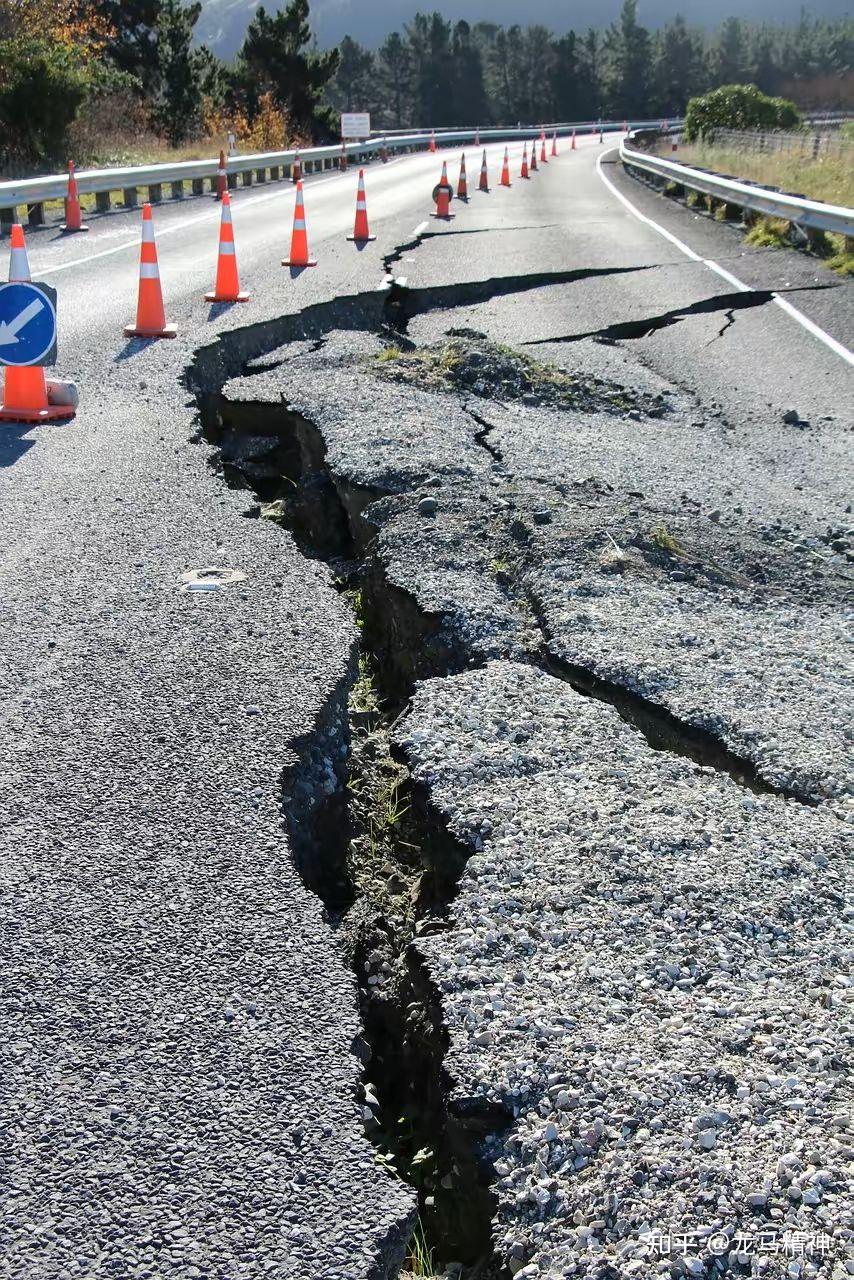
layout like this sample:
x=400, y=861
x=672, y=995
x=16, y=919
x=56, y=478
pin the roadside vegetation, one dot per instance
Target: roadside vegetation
x=118, y=82
x=827, y=178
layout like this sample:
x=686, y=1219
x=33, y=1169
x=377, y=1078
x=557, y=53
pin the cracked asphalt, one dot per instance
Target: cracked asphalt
x=181, y=1086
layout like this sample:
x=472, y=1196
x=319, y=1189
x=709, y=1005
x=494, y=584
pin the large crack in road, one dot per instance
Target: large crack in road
x=377, y=844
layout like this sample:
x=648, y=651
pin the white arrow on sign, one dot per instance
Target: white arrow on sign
x=9, y=331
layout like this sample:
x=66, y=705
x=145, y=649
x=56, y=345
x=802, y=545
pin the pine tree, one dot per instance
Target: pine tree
x=627, y=49
x=351, y=88
x=679, y=68
x=276, y=58
x=179, y=69
x=395, y=77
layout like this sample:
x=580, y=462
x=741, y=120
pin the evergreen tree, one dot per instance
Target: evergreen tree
x=352, y=88
x=627, y=50
x=276, y=59
x=680, y=71
x=729, y=55
x=179, y=69
x=467, y=88
x=395, y=78
x=132, y=43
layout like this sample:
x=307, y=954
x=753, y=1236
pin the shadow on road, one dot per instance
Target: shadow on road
x=13, y=446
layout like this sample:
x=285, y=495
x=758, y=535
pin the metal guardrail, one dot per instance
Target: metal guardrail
x=34, y=192
x=810, y=214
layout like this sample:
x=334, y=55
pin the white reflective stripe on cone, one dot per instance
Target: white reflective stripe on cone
x=226, y=213
x=149, y=271
x=19, y=266
x=147, y=231
x=299, y=224
x=227, y=248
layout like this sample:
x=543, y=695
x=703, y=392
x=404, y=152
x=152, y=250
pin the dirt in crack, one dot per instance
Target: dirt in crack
x=368, y=843
x=468, y=362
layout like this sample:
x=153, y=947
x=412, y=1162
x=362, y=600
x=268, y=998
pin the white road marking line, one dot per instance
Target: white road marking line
x=422, y=226
x=811, y=327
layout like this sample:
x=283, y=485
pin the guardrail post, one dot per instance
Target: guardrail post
x=129, y=197
x=274, y=173
x=177, y=190
x=35, y=214
x=102, y=201
x=198, y=186
x=260, y=175
x=7, y=219
x=247, y=177
x=231, y=181
x=155, y=193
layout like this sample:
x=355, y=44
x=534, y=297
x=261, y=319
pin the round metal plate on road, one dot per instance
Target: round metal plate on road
x=441, y=186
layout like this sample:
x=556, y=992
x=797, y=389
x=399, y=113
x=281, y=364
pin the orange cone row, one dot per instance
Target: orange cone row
x=25, y=395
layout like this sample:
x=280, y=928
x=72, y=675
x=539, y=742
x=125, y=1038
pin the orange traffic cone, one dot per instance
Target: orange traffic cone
x=227, y=287
x=296, y=169
x=442, y=196
x=342, y=162
x=572, y=148
x=477, y=137
x=432, y=146
x=150, y=316
x=483, y=185
x=505, y=170
x=543, y=157
x=524, y=170
x=462, y=184
x=24, y=396
x=384, y=152
x=299, y=238
x=73, y=213
x=361, y=231
x=221, y=179
x=554, y=143
x=534, y=165
x=674, y=146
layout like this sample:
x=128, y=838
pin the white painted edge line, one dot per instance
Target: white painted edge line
x=422, y=226
x=811, y=327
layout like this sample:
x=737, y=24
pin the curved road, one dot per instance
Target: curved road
x=180, y=1084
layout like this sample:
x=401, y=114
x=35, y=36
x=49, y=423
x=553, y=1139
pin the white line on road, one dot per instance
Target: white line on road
x=422, y=226
x=783, y=303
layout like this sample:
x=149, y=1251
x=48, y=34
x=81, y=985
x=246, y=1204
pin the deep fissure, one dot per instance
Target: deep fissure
x=373, y=848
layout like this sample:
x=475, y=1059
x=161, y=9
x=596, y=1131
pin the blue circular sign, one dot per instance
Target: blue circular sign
x=27, y=323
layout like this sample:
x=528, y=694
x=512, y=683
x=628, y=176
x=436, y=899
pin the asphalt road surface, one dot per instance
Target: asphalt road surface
x=182, y=1031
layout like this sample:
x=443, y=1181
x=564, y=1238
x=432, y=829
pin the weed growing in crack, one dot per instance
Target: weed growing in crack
x=469, y=362
x=662, y=538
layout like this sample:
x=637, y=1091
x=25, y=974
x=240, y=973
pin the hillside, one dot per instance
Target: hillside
x=223, y=22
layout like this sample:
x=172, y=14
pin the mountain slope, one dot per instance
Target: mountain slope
x=223, y=22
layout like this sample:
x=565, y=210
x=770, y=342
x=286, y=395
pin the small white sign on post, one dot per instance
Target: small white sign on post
x=355, y=124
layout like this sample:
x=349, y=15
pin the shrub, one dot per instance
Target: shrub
x=738, y=106
x=41, y=91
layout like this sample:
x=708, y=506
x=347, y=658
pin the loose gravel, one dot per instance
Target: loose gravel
x=644, y=967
